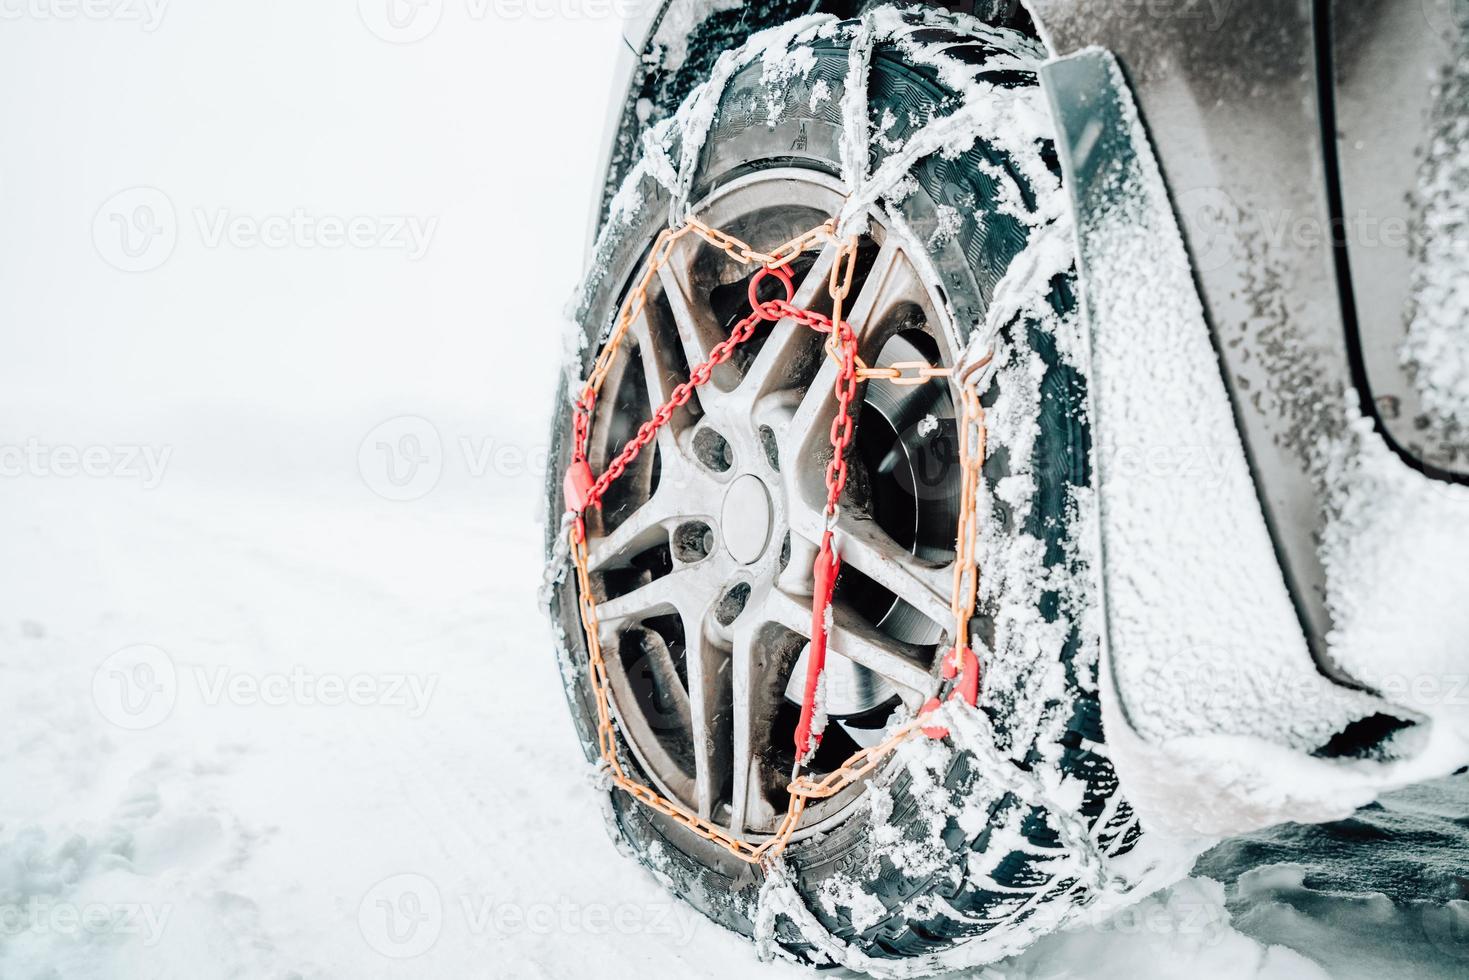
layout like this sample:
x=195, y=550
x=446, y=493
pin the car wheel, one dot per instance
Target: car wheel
x=953, y=851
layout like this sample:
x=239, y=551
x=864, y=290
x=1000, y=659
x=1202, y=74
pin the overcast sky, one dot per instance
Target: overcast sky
x=277, y=217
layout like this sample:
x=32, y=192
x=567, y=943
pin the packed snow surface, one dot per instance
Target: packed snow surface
x=262, y=830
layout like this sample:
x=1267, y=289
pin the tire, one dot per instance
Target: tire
x=962, y=854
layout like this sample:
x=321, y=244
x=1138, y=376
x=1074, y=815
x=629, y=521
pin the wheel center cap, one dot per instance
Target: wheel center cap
x=746, y=519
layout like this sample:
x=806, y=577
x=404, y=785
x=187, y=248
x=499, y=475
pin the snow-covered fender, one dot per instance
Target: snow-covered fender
x=1218, y=716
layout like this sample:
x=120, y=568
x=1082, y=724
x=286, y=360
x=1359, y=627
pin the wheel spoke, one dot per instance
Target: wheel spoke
x=889, y=285
x=865, y=546
x=709, y=713
x=651, y=599
x=660, y=378
x=780, y=359
x=698, y=331
x=807, y=434
x=650, y=704
x=688, y=590
x=642, y=529
x=859, y=642
x=663, y=675
x=752, y=714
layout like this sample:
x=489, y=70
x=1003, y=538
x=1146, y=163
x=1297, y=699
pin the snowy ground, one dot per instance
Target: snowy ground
x=276, y=699
x=231, y=818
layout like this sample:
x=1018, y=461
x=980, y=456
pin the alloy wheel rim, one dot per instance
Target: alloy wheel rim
x=702, y=556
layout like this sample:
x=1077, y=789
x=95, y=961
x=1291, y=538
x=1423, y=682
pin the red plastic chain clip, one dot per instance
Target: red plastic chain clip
x=960, y=663
x=577, y=485
x=828, y=564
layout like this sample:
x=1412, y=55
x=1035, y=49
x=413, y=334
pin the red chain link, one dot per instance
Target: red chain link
x=648, y=431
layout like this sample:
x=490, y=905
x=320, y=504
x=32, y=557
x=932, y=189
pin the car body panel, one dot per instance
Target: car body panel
x=1389, y=66
x=1217, y=718
x=1228, y=95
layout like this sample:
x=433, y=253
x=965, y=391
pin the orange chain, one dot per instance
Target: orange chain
x=960, y=664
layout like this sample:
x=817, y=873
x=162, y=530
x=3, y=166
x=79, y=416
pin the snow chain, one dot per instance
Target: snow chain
x=582, y=490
